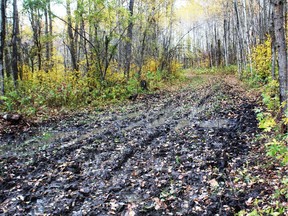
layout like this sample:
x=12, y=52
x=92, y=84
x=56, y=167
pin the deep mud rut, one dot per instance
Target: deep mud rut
x=165, y=154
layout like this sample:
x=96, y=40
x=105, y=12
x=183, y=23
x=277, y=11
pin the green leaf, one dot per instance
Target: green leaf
x=3, y=98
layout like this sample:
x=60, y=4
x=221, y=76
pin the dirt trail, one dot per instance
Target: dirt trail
x=170, y=153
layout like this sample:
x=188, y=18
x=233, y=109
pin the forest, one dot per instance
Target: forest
x=143, y=107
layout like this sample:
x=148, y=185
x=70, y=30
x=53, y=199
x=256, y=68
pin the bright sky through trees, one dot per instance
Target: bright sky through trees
x=60, y=10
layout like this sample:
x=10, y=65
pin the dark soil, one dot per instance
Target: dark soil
x=170, y=153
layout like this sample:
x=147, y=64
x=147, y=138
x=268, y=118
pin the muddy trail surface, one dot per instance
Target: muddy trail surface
x=171, y=153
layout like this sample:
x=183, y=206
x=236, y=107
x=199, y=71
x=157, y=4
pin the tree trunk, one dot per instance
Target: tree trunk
x=219, y=53
x=7, y=61
x=85, y=45
x=216, y=46
x=47, y=43
x=247, y=38
x=240, y=43
x=273, y=45
x=128, y=48
x=141, y=60
x=226, y=50
x=72, y=45
x=50, y=29
x=2, y=43
x=279, y=21
x=37, y=39
x=15, y=39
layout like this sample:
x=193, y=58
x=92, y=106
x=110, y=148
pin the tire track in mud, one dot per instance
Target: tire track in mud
x=167, y=154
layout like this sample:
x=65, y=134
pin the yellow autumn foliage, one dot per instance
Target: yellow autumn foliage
x=151, y=65
x=39, y=90
x=175, y=66
x=261, y=56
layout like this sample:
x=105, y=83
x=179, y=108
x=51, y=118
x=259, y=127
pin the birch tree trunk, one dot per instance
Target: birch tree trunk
x=226, y=50
x=247, y=39
x=240, y=53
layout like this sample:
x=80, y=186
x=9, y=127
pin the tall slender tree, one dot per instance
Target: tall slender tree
x=273, y=44
x=2, y=43
x=50, y=27
x=279, y=28
x=128, y=48
x=15, y=43
x=34, y=8
x=71, y=37
x=47, y=42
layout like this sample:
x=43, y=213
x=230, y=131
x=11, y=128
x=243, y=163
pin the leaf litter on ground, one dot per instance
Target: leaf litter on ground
x=169, y=153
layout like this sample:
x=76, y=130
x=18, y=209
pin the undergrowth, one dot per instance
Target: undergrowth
x=44, y=93
x=271, y=122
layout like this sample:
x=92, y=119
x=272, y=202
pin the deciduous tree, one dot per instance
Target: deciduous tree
x=279, y=28
x=15, y=44
x=2, y=43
